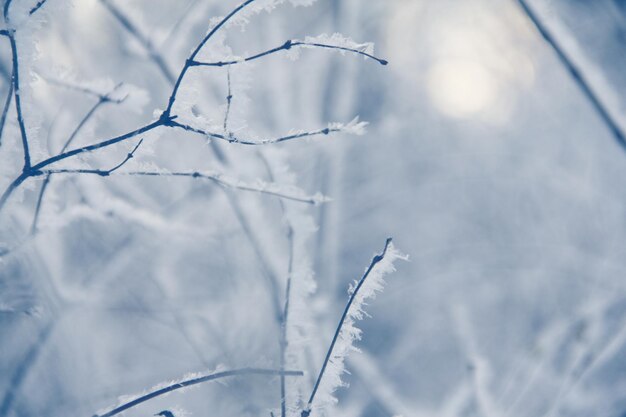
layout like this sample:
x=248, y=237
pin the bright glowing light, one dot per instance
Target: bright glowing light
x=461, y=88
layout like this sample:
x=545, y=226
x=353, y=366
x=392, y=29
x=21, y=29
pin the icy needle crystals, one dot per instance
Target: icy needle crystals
x=372, y=281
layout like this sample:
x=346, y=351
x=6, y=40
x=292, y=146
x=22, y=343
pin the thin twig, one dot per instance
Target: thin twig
x=285, y=47
x=194, y=381
x=37, y=7
x=262, y=188
x=284, y=342
x=307, y=411
x=196, y=51
x=102, y=99
x=242, y=141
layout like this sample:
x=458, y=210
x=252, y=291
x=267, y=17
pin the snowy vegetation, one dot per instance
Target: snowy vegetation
x=69, y=146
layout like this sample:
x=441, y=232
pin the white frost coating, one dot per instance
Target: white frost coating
x=243, y=16
x=123, y=399
x=340, y=41
x=354, y=127
x=287, y=191
x=349, y=333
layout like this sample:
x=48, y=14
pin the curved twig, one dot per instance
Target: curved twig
x=194, y=381
x=375, y=260
x=285, y=47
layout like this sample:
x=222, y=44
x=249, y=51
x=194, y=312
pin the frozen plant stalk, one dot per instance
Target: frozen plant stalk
x=372, y=281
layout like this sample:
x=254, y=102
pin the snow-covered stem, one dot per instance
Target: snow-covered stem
x=332, y=128
x=183, y=72
x=195, y=381
x=353, y=310
x=284, y=342
x=166, y=118
x=228, y=182
x=285, y=47
x=577, y=74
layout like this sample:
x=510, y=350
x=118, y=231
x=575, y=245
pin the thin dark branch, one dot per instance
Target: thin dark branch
x=44, y=186
x=285, y=47
x=375, y=260
x=95, y=146
x=196, y=51
x=217, y=178
x=130, y=156
x=234, y=139
x=165, y=119
x=37, y=7
x=101, y=172
x=7, y=6
x=576, y=73
x=194, y=381
x=102, y=99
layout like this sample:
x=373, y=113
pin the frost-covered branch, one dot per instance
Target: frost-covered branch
x=194, y=381
x=346, y=333
x=283, y=342
x=166, y=118
x=354, y=127
x=287, y=46
x=102, y=99
x=277, y=190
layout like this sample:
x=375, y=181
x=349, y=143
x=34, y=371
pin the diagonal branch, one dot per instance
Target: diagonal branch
x=37, y=7
x=273, y=189
x=577, y=74
x=196, y=51
x=307, y=411
x=195, y=381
